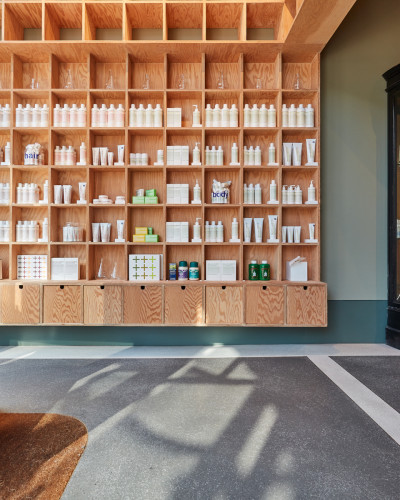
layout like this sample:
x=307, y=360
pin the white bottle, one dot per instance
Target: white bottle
x=63, y=155
x=220, y=232
x=7, y=231
x=290, y=195
x=196, y=232
x=7, y=154
x=272, y=116
x=27, y=113
x=140, y=121
x=234, y=116
x=257, y=156
x=245, y=194
x=245, y=156
x=46, y=192
x=196, y=155
x=65, y=116
x=235, y=230
x=251, y=156
x=120, y=116
x=225, y=116
x=132, y=116
x=250, y=195
x=301, y=116
x=213, y=232
x=18, y=232
x=298, y=196
x=19, y=192
x=309, y=116
x=285, y=116
x=158, y=116
x=196, y=194
x=44, y=116
x=103, y=116
x=271, y=154
x=45, y=230
x=73, y=116
x=196, y=116
x=213, y=156
x=220, y=156
x=95, y=116
x=82, y=116
x=207, y=231
x=284, y=195
x=208, y=156
x=263, y=116
x=6, y=116
x=272, y=192
x=246, y=116
x=70, y=156
x=234, y=154
x=217, y=116
x=292, y=116
x=111, y=116
x=19, y=116
x=311, y=193
x=257, y=194
x=149, y=116
x=209, y=116
x=255, y=116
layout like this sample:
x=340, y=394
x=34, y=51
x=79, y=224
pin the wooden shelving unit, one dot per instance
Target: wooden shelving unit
x=218, y=37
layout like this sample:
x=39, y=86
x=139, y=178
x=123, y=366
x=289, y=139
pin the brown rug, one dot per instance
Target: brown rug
x=38, y=454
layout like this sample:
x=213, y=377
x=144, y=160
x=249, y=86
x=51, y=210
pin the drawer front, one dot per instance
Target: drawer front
x=265, y=305
x=224, y=305
x=102, y=305
x=62, y=304
x=20, y=304
x=142, y=304
x=183, y=305
x=306, y=305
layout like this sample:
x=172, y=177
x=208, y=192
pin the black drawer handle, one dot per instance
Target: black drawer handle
x=101, y=287
x=183, y=288
x=21, y=287
x=143, y=287
x=61, y=287
x=265, y=287
x=305, y=288
x=223, y=287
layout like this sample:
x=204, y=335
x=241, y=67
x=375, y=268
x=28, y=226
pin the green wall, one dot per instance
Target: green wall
x=354, y=201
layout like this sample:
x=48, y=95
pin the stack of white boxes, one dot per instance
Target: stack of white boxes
x=177, y=155
x=145, y=267
x=220, y=270
x=65, y=268
x=178, y=194
x=177, y=232
x=32, y=267
x=174, y=117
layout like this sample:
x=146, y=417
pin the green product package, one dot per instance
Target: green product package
x=151, y=200
x=265, y=271
x=151, y=192
x=149, y=230
x=254, y=271
x=137, y=200
x=151, y=238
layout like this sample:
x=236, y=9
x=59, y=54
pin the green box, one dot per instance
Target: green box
x=151, y=200
x=151, y=192
x=137, y=200
x=151, y=238
x=149, y=230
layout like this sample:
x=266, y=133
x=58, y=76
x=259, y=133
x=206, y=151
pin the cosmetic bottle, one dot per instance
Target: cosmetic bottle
x=235, y=231
x=27, y=116
x=220, y=232
x=208, y=156
x=272, y=116
x=292, y=116
x=149, y=116
x=245, y=194
x=285, y=116
x=250, y=195
x=65, y=116
x=311, y=195
x=158, y=116
x=103, y=116
x=95, y=116
x=45, y=230
x=271, y=154
x=298, y=196
x=246, y=116
x=111, y=116
x=213, y=156
x=257, y=194
x=301, y=116
x=251, y=160
x=140, y=121
x=82, y=116
x=207, y=231
x=120, y=116
x=217, y=116
x=245, y=156
x=225, y=116
x=257, y=156
x=132, y=116
x=220, y=156
x=272, y=193
x=290, y=195
x=255, y=116
x=234, y=116
x=309, y=116
x=196, y=116
x=19, y=116
x=209, y=116
x=196, y=232
x=196, y=155
x=35, y=116
x=213, y=232
x=196, y=194
x=263, y=116
x=234, y=154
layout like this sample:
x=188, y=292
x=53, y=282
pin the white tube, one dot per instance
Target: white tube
x=297, y=232
x=258, y=229
x=273, y=222
x=247, y=222
x=95, y=232
x=58, y=194
x=82, y=193
x=121, y=153
x=67, y=188
x=96, y=156
x=103, y=156
x=311, y=143
x=297, y=147
x=290, y=232
x=104, y=231
x=287, y=153
x=284, y=232
x=120, y=231
x=311, y=228
x=110, y=158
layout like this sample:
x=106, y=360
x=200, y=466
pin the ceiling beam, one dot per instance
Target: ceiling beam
x=317, y=20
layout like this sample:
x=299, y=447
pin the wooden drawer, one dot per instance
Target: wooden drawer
x=265, y=305
x=224, y=305
x=20, y=304
x=62, y=304
x=142, y=304
x=306, y=305
x=183, y=305
x=102, y=305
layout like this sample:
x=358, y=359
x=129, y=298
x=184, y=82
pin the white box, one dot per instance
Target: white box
x=177, y=232
x=185, y=194
x=177, y=155
x=170, y=155
x=220, y=270
x=296, y=269
x=65, y=268
x=184, y=232
x=185, y=155
x=177, y=194
x=177, y=117
x=169, y=230
x=145, y=267
x=170, y=117
x=170, y=193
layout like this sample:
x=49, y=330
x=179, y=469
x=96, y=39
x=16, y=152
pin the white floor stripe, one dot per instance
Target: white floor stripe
x=384, y=415
x=216, y=351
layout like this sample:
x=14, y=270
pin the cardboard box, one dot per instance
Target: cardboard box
x=137, y=200
x=141, y=230
x=150, y=192
x=65, y=268
x=220, y=270
x=139, y=238
x=151, y=200
x=151, y=238
x=296, y=269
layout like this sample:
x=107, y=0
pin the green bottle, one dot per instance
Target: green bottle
x=254, y=271
x=265, y=271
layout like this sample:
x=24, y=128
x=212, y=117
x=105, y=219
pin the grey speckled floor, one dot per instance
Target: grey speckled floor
x=259, y=428
x=381, y=374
